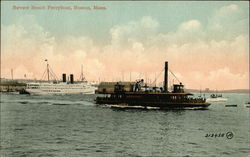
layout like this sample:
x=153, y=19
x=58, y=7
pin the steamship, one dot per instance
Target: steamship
x=149, y=99
x=40, y=88
x=63, y=87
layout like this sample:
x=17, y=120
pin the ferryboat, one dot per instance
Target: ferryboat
x=148, y=99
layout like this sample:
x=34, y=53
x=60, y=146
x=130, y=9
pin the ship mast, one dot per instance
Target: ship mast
x=81, y=73
x=12, y=74
x=47, y=68
x=50, y=74
x=130, y=76
x=81, y=76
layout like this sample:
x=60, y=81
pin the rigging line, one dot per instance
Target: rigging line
x=174, y=75
x=157, y=76
x=53, y=74
x=43, y=74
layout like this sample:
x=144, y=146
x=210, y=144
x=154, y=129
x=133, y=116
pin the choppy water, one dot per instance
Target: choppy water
x=73, y=126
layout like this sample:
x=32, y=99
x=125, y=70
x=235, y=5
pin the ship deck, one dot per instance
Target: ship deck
x=147, y=93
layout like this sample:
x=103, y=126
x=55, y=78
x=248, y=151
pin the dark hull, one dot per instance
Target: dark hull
x=122, y=107
x=23, y=91
x=153, y=105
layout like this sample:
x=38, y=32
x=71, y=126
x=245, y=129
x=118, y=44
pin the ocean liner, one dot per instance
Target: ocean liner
x=57, y=87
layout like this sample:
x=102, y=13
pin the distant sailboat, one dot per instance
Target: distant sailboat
x=248, y=103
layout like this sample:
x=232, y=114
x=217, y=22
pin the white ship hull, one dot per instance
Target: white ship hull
x=60, y=88
x=219, y=99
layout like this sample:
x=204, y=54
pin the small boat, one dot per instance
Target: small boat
x=216, y=98
x=233, y=105
x=247, y=104
x=23, y=91
x=215, y=95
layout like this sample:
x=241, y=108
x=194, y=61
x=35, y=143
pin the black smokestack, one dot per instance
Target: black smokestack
x=71, y=78
x=166, y=78
x=64, y=77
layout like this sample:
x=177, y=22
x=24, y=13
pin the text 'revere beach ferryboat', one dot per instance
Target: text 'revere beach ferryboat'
x=64, y=87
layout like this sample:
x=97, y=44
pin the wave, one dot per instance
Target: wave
x=59, y=104
x=51, y=102
x=133, y=107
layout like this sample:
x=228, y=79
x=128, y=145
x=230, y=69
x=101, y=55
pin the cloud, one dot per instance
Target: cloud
x=69, y=44
x=188, y=32
x=228, y=22
x=138, y=47
x=148, y=22
x=227, y=79
x=190, y=25
x=133, y=31
x=198, y=54
x=221, y=79
x=232, y=6
x=22, y=46
x=26, y=45
x=25, y=39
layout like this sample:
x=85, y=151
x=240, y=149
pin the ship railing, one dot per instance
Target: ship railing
x=196, y=100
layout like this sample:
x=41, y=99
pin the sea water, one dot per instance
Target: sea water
x=74, y=126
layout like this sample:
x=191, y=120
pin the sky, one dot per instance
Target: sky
x=205, y=43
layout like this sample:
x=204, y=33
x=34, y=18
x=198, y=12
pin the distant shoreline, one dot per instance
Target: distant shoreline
x=220, y=91
x=22, y=82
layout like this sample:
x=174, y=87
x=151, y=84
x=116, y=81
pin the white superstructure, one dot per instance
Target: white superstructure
x=60, y=88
